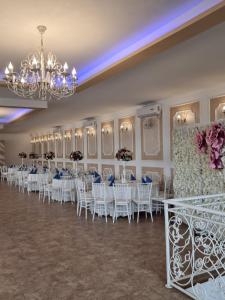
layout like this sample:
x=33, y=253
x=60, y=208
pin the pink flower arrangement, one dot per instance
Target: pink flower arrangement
x=213, y=140
x=200, y=140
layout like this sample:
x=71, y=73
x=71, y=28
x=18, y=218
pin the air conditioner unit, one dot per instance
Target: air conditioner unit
x=90, y=124
x=149, y=110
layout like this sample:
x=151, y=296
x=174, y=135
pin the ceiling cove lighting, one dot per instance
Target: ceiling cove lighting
x=8, y=115
x=149, y=35
x=41, y=77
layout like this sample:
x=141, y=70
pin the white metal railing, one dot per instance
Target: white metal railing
x=195, y=246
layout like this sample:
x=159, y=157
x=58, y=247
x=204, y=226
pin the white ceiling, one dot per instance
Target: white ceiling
x=194, y=67
x=81, y=31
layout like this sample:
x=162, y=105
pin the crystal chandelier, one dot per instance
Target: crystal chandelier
x=41, y=77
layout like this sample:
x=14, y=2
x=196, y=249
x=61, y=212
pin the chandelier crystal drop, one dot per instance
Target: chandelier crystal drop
x=41, y=77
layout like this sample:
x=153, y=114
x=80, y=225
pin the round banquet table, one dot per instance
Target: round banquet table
x=57, y=185
x=110, y=199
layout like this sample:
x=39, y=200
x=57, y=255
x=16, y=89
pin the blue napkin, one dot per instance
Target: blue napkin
x=148, y=179
x=111, y=183
x=132, y=177
x=60, y=174
x=110, y=178
x=31, y=172
x=98, y=179
x=96, y=174
x=143, y=180
x=57, y=176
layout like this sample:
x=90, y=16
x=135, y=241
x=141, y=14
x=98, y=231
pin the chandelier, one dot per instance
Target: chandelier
x=41, y=77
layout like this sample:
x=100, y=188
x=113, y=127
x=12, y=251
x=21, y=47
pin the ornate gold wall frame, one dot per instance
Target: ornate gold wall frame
x=92, y=145
x=215, y=105
x=127, y=134
x=79, y=139
x=107, y=140
x=152, y=138
x=68, y=141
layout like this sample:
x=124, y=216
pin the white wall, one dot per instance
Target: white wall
x=14, y=144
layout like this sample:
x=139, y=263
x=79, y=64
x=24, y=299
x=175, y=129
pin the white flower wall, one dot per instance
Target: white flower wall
x=192, y=174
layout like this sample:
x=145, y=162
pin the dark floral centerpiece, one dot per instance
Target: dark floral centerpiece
x=124, y=155
x=76, y=156
x=212, y=141
x=23, y=156
x=49, y=155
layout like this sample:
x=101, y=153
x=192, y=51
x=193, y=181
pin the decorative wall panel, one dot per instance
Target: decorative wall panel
x=107, y=140
x=92, y=143
x=38, y=148
x=2, y=153
x=108, y=170
x=69, y=165
x=217, y=109
x=152, y=138
x=59, y=165
x=59, y=148
x=51, y=146
x=129, y=170
x=156, y=174
x=33, y=148
x=68, y=143
x=92, y=167
x=45, y=147
x=79, y=140
x=52, y=164
x=127, y=134
x=80, y=167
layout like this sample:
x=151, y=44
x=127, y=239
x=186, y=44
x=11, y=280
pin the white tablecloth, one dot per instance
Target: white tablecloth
x=110, y=199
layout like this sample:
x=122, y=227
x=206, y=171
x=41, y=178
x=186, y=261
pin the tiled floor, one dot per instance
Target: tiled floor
x=47, y=252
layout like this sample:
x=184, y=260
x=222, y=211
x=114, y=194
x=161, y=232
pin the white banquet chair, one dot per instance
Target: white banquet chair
x=4, y=172
x=85, y=198
x=163, y=195
x=56, y=190
x=32, y=183
x=100, y=200
x=144, y=201
x=122, y=197
x=67, y=187
x=42, y=184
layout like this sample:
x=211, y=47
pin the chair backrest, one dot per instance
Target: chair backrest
x=122, y=192
x=107, y=172
x=128, y=173
x=144, y=191
x=80, y=187
x=32, y=177
x=98, y=190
